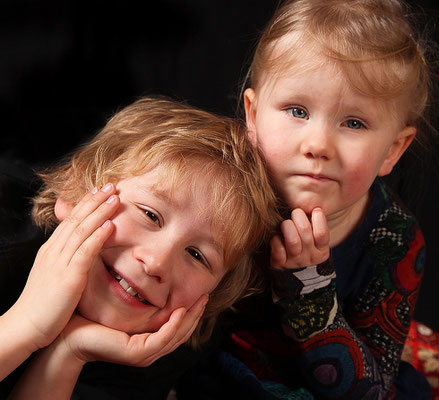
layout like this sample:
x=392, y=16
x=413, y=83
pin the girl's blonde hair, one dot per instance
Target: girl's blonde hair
x=190, y=144
x=371, y=41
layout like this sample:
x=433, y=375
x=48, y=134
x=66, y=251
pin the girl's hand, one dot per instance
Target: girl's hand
x=303, y=242
x=90, y=341
x=60, y=271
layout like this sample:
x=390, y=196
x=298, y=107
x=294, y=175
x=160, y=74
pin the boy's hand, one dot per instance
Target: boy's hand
x=91, y=341
x=303, y=242
x=60, y=271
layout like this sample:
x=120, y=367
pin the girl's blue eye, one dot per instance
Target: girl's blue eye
x=354, y=124
x=298, y=112
x=152, y=217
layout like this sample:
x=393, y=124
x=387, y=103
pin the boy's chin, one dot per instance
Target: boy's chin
x=115, y=322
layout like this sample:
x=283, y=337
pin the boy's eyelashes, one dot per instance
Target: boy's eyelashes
x=151, y=215
x=157, y=220
x=197, y=255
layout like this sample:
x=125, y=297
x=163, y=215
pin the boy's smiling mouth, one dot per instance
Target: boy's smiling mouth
x=126, y=286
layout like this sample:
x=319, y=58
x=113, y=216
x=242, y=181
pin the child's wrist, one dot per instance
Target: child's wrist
x=64, y=351
x=21, y=331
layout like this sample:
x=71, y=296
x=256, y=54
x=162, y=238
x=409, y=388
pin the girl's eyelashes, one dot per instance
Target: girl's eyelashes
x=355, y=124
x=197, y=256
x=297, y=112
x=301, y=113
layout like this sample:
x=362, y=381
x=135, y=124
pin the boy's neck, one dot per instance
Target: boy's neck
x=342, y=224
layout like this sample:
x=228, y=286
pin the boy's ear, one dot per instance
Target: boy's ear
x=399, y=146
x=63, y=208
x=250, y=114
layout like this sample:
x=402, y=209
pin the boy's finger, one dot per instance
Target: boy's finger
x=278, y=255
x=82, y=259
x=81, y=211
x=186, y=327
x=191, y=320
x=158, y=344
x=93, y=222
x=87, y=204
x=56, y=233
x=320, y=228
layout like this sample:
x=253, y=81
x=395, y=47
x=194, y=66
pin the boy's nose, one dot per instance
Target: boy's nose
x=157, y=263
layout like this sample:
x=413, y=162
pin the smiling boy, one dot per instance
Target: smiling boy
x=194, y=203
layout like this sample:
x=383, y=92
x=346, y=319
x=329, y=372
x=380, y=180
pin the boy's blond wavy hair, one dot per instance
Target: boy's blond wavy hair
x=190, y=144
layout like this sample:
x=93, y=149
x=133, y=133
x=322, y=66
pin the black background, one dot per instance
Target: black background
x=65, y=67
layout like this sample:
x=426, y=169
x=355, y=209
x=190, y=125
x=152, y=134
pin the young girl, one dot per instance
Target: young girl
x=336, y=91
x=183, y=190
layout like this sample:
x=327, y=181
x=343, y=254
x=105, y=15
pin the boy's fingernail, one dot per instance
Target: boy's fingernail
x=107, y=188
x=111, y=199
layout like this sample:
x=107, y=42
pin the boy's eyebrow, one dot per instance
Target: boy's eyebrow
x=165, y=196
x=162, y=194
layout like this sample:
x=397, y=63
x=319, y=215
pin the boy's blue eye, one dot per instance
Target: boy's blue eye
x=298, y=112
x=354, y=124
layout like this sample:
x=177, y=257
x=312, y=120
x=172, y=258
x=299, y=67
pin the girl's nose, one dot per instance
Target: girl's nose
x=318, y=143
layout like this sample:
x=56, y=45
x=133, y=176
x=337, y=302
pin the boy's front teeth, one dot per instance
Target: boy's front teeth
x=127, y=287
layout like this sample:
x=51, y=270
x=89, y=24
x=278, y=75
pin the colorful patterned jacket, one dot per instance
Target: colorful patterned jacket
x=343, y=327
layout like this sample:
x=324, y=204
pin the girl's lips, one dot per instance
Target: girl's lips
x=321, y=178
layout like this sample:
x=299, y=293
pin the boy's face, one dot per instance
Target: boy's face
x=324, y=143
x=162, y=249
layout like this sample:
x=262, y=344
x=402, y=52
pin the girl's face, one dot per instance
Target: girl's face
x=324, y=143
x=162, y=255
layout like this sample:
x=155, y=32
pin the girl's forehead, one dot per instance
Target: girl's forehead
x=374, y=79
x=285, y=64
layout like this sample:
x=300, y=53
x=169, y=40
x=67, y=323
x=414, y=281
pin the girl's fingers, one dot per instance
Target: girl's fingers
x=303, y=227
x=278, y=256
x=292, y=238
x=320, y=228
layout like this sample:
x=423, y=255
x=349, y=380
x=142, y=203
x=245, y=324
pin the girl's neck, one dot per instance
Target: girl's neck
x=343, y=223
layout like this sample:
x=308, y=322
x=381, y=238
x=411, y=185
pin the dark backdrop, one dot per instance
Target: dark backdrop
x=66, y=66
